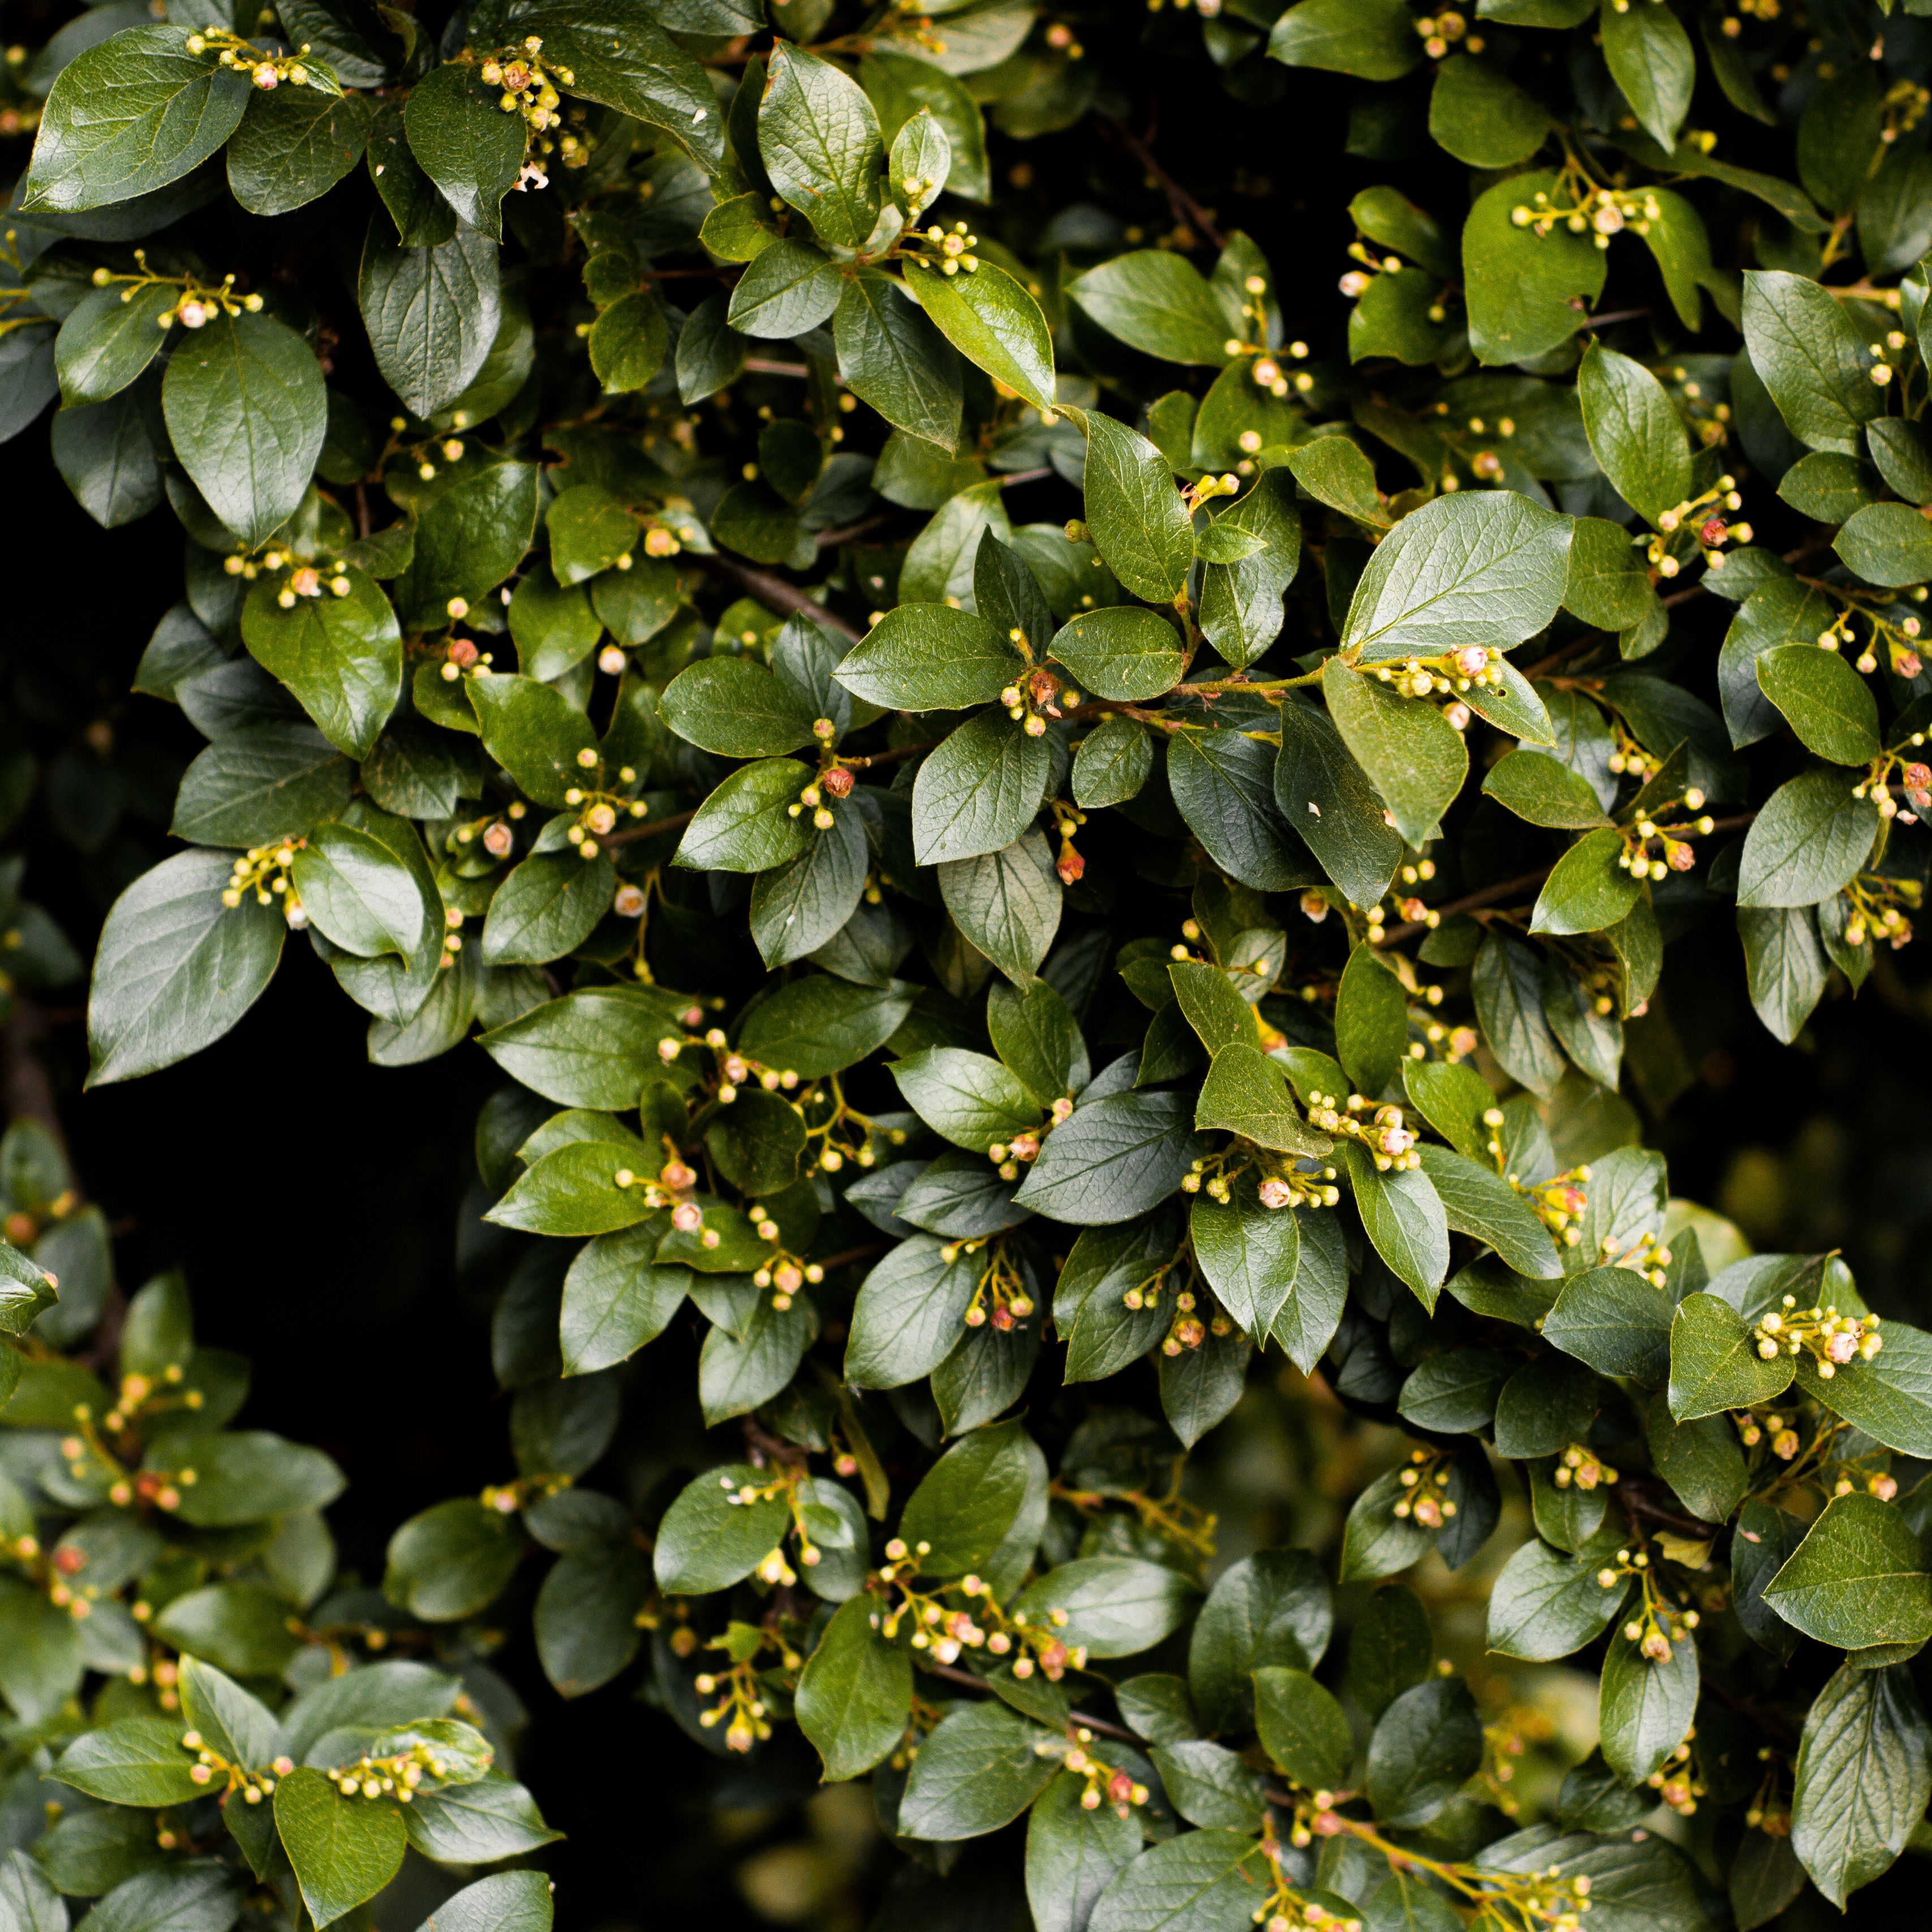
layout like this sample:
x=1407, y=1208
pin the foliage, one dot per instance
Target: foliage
x=1176, y=922
x=207, y=1721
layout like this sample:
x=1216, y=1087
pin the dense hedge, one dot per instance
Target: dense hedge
x=1055, y=829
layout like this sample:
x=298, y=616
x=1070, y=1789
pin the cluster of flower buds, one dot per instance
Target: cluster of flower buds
x=254, y=1786
x=1472, y=667
x=952, y=247
x=1880, y=1484
x=1881, y=371
x=672, y=1188
x=1658, y=1623
x=147, y=1395
x=1875, y=905
x=263, y=870
x=397, y=1775
x=1010, y=1156
x=267, y=71
x=1030, y=700
x=307, y=580
x=946, y=1630
x=1288, y=1911
x=1104, y=1783
x=1187, y=1330
x=1674, y=1781
x=785, y=1276
x=1267, y=371
x=530, y=89
x=1000, y=1296
x=1313, y=1188
x=1381, y=1128
x=1643, y=1253
x=1674, y=851
x=1578, y=1468
x=1597, y=212
x=834, y=782
x=741, y=1707
x=1441, y=32
x=597, y=811
x=198, y=303
x=1915, y=781
x=1785, y=1441
x=734, y=1068
x=1425, y=1481
x=1627, y=758
x=497, y=834
x=1701, y=513
x=1830, y=1339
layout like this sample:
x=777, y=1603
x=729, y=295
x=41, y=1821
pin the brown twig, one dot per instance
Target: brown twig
x=26, y=1093
x=632, y=833
x=1509, y=888
x=772, y=590
x=1185, y=209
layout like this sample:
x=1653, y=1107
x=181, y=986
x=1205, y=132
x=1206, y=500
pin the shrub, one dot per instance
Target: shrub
x=1176, y=924
x=204, y=1722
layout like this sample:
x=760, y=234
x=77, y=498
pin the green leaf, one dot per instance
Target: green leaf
x=1390, y=1650
x=855, y=1694
x=1302, y=1729
x=1371, y=1022
x=1587, y=890
x=463, y=139
x=1811, y=359
x=736, y=707
x=1478, y=1201
x=138, y=1761
x=979, y=791
x=790, y=286
x=535, y=733
x=1327, y=799
x=1157, y=302
x=819, y=139
x=1411, y=753
x=511, y=1901
x=910, y=1313
x=176, y=968
x=1889, y=543
x=1635, y=431
x=1120, y=651
x=110, y=339
x=432, y=313
x=1859, y=1578
x=1112, y=1159
x=1249, y=1252
x=340, y=653
x=344, y=1850
x=970, y=1100
x=1139, y=521
x=1526, y=292
x=1646, y=1705
x=1425, y=1748
x=1649, y=56
x=293, y=146
x=247, y=412
x=1006, y=903
x=1403, y=1216
x=1812, y=838
x=1274, y=1608
x=1825, y=702
x=1620, y=1324
x=1548, y=1603
x=709, y=1539
x=477, y=1824
x=1545, y=791
x=978, y=1770
x=548, y=906
x=1196, y=1881
x=1487, y=567
x=1114, y=763
x=1716, y=1365
x=1114, y=1606
x=1785, y=967
x=629, y=342
x=993, y=322
x=129, y=116
x=1247, y=1094
x=948, y=148
x=1864, y=1773
x=891, y=356
x=1073, y=1853
x=1221, y=781
x=1482, y=117
x=1609, y=584
x=818, y=1025
x=1374, y=40
x=930, y=657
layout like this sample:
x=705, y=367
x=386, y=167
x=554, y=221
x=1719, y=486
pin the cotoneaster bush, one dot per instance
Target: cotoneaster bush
x=207, y=1724
x=1052, y=824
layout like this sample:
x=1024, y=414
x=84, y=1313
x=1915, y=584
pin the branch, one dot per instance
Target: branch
x=1185, y=209
x=632, y=834
x=954, y=1674
x=1489, y=895
x=772, y=590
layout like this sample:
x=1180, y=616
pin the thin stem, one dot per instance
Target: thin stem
x=774, y=591
x=1185, y=209
x=632, y=833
